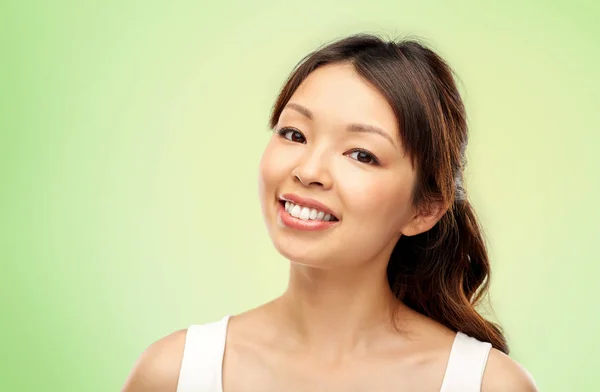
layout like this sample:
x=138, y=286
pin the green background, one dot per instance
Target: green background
x=130, y=139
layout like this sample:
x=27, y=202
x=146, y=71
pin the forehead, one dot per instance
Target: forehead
x=337, y=93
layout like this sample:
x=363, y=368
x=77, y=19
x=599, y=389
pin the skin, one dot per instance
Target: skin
x=331, y=330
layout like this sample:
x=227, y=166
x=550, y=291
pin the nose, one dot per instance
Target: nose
x=313, y=170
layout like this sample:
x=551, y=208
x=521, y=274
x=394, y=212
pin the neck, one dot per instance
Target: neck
x=337, y=312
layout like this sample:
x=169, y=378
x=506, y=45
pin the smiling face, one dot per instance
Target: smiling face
x=336, y=148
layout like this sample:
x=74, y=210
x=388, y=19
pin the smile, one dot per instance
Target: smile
x=305, y=214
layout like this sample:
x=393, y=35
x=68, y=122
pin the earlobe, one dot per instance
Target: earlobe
x=424, y=220
x=417, y=225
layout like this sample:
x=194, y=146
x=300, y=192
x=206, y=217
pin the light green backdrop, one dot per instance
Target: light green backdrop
x=130, y=137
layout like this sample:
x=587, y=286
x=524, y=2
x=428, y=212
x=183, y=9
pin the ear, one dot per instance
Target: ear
x=425, y=218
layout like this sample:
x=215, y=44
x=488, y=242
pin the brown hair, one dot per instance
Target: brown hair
x=442, y=273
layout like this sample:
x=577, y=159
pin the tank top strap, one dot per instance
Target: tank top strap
x=466, y=364
x=202, y=363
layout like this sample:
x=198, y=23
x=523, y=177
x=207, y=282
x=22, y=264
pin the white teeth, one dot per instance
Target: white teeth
x=306, y=213
x=295, y=211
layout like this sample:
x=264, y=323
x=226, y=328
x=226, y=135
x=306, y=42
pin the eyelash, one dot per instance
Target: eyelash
x=283, y=131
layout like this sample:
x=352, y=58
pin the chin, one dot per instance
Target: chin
x=308, y=248
x=304, y=253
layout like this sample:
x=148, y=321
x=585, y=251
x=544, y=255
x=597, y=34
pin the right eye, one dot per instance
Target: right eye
x=292, y=135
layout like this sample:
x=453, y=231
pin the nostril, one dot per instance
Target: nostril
x=299, y=179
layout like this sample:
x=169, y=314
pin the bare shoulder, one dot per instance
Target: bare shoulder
x=503, y=374
x=157, y=368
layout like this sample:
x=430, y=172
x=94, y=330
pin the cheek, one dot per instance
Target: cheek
x=380, y=200
x=265, y=175
x=273, y=167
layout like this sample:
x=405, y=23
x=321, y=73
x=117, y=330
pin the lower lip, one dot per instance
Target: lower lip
x=305, y=225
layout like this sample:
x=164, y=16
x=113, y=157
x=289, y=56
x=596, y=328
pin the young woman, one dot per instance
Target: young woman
x=362, y=191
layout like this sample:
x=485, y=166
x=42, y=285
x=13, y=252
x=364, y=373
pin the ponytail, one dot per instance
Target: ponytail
x=444, y=274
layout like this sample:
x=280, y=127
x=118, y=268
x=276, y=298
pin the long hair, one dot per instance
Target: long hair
x=444, y=272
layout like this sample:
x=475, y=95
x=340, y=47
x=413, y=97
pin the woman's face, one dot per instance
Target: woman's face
x=336, y=143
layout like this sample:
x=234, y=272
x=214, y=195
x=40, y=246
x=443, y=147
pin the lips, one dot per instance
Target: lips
x=308, y=203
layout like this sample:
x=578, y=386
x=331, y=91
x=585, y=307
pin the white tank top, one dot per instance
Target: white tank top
x=202, y=365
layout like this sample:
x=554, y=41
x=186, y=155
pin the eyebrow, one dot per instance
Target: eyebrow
x=351, y=128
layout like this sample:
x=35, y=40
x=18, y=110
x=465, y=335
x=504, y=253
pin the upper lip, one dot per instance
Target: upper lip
x=307, y=202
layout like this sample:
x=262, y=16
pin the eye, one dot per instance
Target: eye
x=363, y=156
x=292, y=135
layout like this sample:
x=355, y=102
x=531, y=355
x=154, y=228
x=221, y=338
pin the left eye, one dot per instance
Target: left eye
x=364, y=157
x=292, y=134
